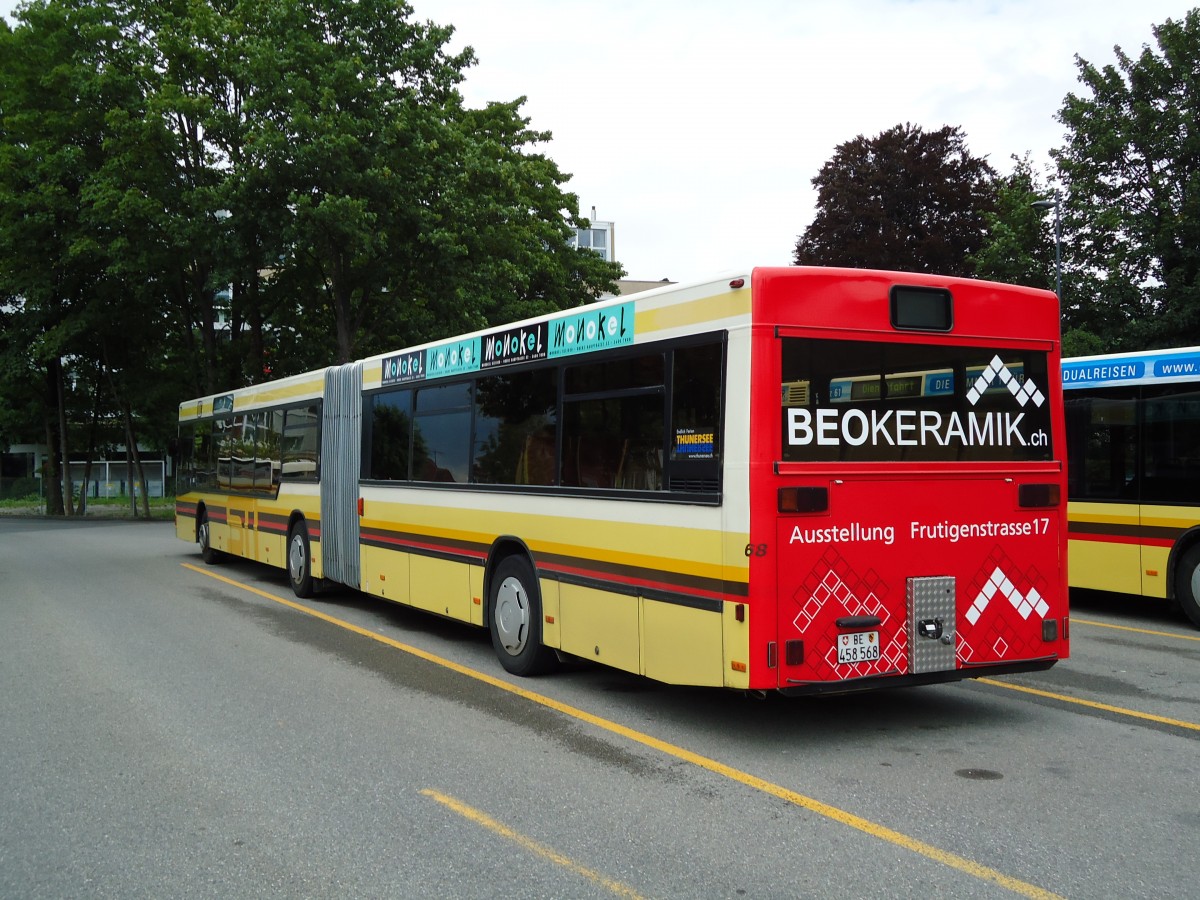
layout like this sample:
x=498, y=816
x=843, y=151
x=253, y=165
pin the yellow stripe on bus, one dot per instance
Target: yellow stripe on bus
x=688, y=551
x=267, y=396
x=694, y=312
x=1103, y=513
x=1169, y=516
x=310, y=386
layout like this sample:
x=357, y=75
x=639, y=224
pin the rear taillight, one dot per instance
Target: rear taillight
x=803, y=499
x=1032, y=496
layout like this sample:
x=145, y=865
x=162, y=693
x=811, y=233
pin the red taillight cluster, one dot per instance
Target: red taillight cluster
x=803, y=499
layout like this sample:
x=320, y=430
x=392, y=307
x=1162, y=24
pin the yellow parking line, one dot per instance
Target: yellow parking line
x=481, y=818
x=882, y=832
x=1170, y=634
x=1119, y=710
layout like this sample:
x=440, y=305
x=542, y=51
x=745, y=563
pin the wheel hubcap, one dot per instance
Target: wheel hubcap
x=512, y=615
x=296, y=561
x=203, y=536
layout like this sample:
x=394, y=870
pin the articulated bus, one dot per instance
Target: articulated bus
x=799, y=480
x=1133, y=433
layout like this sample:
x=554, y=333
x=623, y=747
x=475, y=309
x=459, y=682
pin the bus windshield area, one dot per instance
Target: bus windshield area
x=881, y=401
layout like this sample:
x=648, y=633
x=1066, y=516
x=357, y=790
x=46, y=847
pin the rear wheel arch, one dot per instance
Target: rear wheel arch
x=1183, y=570
x=502, y=548
x=295, y=517
x=208, y=553
x=1186, y=542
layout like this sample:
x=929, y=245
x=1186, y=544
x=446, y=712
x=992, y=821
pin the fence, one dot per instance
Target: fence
x=106, y=480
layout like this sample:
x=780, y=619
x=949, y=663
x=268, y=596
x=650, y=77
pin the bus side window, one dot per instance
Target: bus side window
x=1102, y=433
x=1172, y=448
x=695, y=436
x=187, y=457
x=442, y=433
x=515, y=419
x=197, y=458
x=391, y=433
x=301, y=443
x=225, y=438
x=267, y=460
x=613, y=438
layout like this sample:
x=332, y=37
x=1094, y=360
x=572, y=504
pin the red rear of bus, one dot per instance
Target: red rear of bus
x=907, y=483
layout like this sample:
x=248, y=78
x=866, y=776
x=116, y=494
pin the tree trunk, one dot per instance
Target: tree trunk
x=68, y=491
x=343, y=312
x=93, y=430
x=258, y=368
x=136, y=459
x=50, y=483
x=129, y=476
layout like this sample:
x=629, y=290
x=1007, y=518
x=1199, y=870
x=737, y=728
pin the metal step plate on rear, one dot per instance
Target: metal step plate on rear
x=931, y=618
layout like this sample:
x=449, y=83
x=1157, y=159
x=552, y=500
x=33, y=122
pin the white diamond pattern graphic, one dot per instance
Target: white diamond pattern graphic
x=1024, y=604
x=1024, y=393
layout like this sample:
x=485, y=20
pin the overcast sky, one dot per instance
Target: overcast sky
x=697, y=125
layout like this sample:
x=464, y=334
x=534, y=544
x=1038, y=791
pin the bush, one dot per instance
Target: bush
x=18, y=488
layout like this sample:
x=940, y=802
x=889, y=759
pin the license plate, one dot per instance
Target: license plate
x=860, y=647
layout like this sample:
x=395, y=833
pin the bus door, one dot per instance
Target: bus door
x=241, y=527
x=1105, y=486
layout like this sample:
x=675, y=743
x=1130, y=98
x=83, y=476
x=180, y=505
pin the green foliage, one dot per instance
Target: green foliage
x=408, y=217
x=19, y=489
x=200, y=194
x=906, y=199
x=1131, y=167
x=1018, y=245
x=1078, y=342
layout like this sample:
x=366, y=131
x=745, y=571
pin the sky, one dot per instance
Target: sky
x=697, y=126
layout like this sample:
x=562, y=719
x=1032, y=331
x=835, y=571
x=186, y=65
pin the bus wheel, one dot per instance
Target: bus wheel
x=204, y=538
x=299, y=561
x=1187, y=584
x=515, y=619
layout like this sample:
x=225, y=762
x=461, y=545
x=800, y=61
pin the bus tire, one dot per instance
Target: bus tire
x=299, y=561
x=515, y=619
x=1187, y=584
x=208, y=553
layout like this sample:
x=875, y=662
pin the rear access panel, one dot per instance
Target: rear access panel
x=931, y=616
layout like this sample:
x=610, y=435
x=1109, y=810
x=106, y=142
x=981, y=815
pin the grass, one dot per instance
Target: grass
x=109, y=507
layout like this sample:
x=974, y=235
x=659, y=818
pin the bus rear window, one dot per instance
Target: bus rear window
x=879, y=401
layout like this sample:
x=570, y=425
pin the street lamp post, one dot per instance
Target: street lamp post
x=1056, y=205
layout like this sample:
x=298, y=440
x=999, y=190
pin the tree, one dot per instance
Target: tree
x=55, y=83
x=906, y=199
x=1131, y=169
x=409, y=216
x=1019, y=246
x=199, y=194
x=1018, y=241
x=495, y=243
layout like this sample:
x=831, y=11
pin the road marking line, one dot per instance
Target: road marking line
x=882, y=832
x=1119, y=710
x=482, y=818
x=1170, y=634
